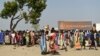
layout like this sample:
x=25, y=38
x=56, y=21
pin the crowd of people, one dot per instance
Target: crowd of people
x=19, y=38
x=78, y=39
x=51, y=41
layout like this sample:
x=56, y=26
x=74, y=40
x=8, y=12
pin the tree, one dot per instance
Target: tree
x=15, y=11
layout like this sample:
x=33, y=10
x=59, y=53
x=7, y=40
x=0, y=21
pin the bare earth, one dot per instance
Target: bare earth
x=10, y=50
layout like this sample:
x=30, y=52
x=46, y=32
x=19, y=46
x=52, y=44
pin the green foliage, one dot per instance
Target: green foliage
x=21, y=3
x=15, y=10
x=10, y=9
x=37, y=6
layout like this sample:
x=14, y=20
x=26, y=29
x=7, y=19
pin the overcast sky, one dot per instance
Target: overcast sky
x=64, y=10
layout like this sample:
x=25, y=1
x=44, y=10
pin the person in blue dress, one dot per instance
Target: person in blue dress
x=1, y=37
x=43, y=45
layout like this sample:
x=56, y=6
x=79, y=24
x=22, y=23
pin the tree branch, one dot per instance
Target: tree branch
x=17, y=17
x=11, y=22
x=14, y=26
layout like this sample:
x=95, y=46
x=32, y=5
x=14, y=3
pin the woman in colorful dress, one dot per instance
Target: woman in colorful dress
x=52, y=44
x=77, y=40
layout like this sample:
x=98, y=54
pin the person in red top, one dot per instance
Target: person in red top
x=52, y=45
x=17, y=38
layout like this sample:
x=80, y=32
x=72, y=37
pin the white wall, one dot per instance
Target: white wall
x=98, y=26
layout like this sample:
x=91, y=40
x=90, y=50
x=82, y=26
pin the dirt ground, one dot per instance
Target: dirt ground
x=10, y=50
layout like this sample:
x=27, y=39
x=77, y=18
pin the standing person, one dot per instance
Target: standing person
x=57, y=37
x=32, y=36
x=99, y=38
x=86, y=37
x=13, y=39
x=17, y=38
x=61, y=40
x=72, y=39
x=24, y=39
x=81, y=38
x=91, y=42
x=93, y=37
x=21, y=38
x=7, y=38
x=95, y=40
x=27, y=38
x=77, y=40
x=43, y=43
x=65, y=40
x=1, y=37
x=52, y=45
x=47, y=40
x=68, y=38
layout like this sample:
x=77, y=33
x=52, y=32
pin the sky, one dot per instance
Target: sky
x=62, y=10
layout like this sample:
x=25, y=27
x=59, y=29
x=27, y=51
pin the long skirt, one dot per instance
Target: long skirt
x=13, y=40
x=7, y=40
x=61, y=43
x=53, y=47
x=43, y=45
x=48, y=49
x=77, y=45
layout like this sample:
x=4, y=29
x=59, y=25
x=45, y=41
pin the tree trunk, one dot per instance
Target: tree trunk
x=19, y=17
x=12, y=25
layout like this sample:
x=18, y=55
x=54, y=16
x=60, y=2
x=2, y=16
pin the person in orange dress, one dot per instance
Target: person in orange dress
x=77, y=40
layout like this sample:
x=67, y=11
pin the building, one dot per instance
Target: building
x=69, y=25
